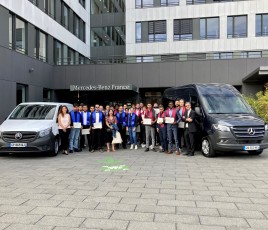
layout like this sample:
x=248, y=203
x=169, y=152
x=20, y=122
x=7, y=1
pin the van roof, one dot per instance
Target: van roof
x=170, y=93
x=45, y=103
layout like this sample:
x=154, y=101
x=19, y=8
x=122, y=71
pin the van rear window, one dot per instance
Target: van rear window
x=34, y=112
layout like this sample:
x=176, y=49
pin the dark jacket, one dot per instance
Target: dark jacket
x=191, y=125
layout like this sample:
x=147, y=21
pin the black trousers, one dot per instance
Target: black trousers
x=142, y=135
x=122, y=131
x=190, y=141
x=64, y=137
x=83, y=138
x=96, y=139
x=181, y=138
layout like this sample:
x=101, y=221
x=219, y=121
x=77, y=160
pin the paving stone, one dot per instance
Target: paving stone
x=91, y=213
x=138, y=201
x=78, y=204
x=223, y=221
x=12, y=209
x=105, y=199
x=241, y=214
x=43, y=203
x=155, y=209
x=134, y=225
x=197, y=211
x=28, y=227
x=176, y=218
x=3, y=226
x=124, y=194
x=61, y=221
x=198, y=227
x=20, y=218
x=51, y=211
x=177, y=203
x=35, y=196
x=105, y=224
x=135, y=216
x=231, y=199
x=223, y=205
x=258, y=223
x=116, y=207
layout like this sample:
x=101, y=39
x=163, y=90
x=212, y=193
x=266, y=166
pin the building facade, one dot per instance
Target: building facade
x=75, y=50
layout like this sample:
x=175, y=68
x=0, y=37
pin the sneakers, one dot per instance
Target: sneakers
x=71, y=151
x=151, y=146
x=131, y=146
x=136, y=147
x=93, y=150
x=153, y=149
x=143, y=145
x=146, y=150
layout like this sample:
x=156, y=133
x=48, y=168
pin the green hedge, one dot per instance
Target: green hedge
x=259, y=103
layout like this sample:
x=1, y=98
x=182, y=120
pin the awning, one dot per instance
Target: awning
x=260, y=75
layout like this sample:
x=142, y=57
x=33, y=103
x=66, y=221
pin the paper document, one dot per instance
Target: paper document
x=160, y=120
x=77, y=125
x=169, y=120
x=98, y=125
x=147, y=121
x=85, y=131
x=181, y=124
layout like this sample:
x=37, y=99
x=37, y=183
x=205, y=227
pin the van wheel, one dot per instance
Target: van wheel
x=255, y=152
x=55, y=150
x=207, y=149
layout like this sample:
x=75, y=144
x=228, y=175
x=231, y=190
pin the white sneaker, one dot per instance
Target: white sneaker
x=136, y=147
x=131, y=146
x=143, y=145
x=151, y=147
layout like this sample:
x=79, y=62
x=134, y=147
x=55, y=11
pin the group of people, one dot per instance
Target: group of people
x=144, y=126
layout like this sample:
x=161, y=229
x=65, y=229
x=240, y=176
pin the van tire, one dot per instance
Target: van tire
x=255, y=152
x=207, y=148
x=55, y=150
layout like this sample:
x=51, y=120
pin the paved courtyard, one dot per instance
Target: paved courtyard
x=158, y=191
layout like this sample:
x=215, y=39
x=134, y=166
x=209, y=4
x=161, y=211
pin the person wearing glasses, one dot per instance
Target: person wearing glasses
x=190, y=129
x=97, y=121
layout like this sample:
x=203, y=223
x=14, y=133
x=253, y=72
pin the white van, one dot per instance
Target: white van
x=32, y=127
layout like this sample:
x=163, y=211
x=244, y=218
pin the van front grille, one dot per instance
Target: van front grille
x=17, y=137
x=249, y=131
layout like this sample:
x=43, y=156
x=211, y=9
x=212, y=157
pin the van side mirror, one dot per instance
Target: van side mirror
x=197, y=110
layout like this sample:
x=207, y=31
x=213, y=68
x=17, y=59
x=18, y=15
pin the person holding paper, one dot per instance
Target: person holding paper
x=142, y=133
x=190, y=129
x=64, y=121
x=97, y=120
x=76, y=125
x=132, y=123
x=172, y=120
x=86, y=126
x=121, y=123
x=149, y=123
x=162, y=129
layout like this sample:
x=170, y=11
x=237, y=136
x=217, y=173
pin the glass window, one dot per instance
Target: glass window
x=76, y=25
x=51, y=8
x=71, y=56
x=237, y=27
x=157, y=31
x=183, y=29
x=262, y=25
x=83, y=3
x=209, y=28
x=42, y=47
x=138, y=32
x=147, y=3
x=10, y=31
x=22, y=93
x=65, y=16
x=65, y=55
x=58, y=53
x=193, y=2
x=138, y=3
x=226, y=55
x=254, y=54
x=20, y=36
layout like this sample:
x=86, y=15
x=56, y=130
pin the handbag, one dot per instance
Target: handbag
x=117, y=139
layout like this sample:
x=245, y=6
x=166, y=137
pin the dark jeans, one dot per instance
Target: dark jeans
x=142, y=135
x=190, y=141
x=180, y=138
x=96, y=139
x=122, y=131
x=64, y=137
x=163, y=137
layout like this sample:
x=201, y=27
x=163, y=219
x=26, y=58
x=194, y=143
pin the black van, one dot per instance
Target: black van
x=226, y=121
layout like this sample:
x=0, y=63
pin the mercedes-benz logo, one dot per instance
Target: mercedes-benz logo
x=251, y=131
x=18, y=136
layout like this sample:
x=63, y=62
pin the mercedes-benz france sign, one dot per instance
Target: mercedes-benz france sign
x=18, y=136
x=251, y=131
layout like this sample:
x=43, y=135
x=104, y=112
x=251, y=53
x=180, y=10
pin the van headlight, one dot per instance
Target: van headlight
x=265, y=127
x=222, y=128
x=45, y=132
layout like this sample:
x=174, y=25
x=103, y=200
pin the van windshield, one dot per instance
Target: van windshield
x=225, y=104
x=34, y=112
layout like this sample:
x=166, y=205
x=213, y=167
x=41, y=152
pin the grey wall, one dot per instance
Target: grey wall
x=14, y=68
x=165, y=74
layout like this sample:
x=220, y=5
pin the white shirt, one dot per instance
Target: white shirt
x=97, y=117
x=84, y=118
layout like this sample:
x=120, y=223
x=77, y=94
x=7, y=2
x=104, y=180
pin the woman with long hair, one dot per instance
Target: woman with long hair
x=111, y=123
x=64, y=121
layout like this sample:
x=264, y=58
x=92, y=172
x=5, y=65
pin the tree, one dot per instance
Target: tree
x=259, y=103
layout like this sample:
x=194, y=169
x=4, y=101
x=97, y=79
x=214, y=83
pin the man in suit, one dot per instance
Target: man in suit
x=190, y=129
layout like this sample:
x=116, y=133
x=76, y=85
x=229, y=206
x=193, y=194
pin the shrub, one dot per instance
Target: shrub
x=259, y=103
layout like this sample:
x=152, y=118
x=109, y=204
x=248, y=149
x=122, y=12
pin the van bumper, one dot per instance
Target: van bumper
x=39, y=145
x=225, y=141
